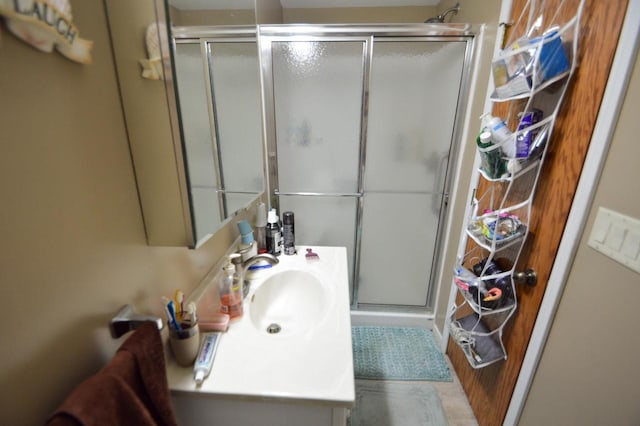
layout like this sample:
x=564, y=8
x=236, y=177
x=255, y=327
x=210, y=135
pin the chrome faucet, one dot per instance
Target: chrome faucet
x=269, y=258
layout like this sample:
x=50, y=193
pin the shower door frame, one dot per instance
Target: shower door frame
x=367, y=34
x=203, y=36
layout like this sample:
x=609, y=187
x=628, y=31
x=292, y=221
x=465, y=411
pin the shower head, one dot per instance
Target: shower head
x=440, y=18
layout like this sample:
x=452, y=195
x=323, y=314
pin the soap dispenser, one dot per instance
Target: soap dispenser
x=230, y=292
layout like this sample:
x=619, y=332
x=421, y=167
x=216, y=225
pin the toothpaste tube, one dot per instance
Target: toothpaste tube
x=204, y=361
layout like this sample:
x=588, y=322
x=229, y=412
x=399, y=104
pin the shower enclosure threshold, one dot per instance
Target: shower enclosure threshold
x=391, y=319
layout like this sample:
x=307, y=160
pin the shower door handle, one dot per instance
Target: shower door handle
x=440, y=184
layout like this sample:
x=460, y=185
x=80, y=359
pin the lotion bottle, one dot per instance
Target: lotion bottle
x=500, y=134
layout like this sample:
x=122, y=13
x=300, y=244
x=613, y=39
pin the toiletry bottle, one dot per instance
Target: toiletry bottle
x=230, y=292
x=261, y=225
x=500, y=134
x=274, y=235
x=288, y=234
x=238, y=275
x=491, y=160
x=524, y=138
x=248, y=247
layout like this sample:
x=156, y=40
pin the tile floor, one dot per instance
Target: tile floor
x=454, y=401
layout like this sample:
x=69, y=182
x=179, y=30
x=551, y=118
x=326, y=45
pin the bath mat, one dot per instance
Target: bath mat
x=397, y=353
x=381, y=403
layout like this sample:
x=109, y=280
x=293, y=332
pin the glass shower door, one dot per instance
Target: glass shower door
x=234, y=73
x=415, y=87
x=198, y=138
x=361, y=126
x=318, y=87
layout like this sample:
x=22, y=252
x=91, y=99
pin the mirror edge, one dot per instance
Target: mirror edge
x=155, y=151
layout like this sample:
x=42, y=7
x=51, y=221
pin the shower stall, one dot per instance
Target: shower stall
x=362, y=129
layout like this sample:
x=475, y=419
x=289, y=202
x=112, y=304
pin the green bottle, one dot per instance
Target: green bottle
x=491, y=161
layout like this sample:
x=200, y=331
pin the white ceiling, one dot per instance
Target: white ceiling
x=292, y=4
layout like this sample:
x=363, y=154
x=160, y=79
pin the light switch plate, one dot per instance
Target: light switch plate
x=617, y=236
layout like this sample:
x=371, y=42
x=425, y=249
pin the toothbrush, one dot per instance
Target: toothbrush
x=191, y=313
x=179, y=301
x=165, y=306
x=172, y=312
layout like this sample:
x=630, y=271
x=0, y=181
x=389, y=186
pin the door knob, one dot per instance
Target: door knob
x=528, y=277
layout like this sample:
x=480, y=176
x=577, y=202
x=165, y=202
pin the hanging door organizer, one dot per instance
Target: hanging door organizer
x=531, y=75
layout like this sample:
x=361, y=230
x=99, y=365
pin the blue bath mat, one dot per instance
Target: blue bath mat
x=397, y=353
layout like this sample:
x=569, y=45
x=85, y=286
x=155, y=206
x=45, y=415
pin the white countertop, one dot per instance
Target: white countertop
x=314, y=365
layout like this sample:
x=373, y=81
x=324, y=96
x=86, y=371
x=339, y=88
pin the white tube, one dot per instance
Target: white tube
x=204, y=361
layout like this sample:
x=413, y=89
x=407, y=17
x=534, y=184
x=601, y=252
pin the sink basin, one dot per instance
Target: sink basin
x=308, y=362
x=289, y=302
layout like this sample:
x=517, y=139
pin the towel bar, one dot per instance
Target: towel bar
x=125, y=320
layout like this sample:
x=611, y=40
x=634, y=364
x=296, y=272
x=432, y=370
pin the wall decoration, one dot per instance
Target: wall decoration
x=157, y=51
x=45, y=24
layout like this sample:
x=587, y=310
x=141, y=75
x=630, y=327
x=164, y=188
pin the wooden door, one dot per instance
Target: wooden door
x=489, y=389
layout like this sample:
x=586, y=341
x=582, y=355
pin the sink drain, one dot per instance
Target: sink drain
x=274, y=328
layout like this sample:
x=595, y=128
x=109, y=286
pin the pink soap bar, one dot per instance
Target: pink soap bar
x=213, y=322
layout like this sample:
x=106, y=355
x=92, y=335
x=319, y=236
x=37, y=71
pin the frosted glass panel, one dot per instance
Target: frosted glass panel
x=318, y=107
x=205, y=201
x=398, y=243
x=237, y=201
x=197, y=139
x=414, y=93
x=324, y=221
x=235, y=82
x=194, y=114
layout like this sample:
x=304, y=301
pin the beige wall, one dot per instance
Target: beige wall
x=589, y=373
x=72, y=242
x=408, y=14
x=268, y=12
x=212, y=17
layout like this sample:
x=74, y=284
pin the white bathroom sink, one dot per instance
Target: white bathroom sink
x=289, y=302
x=310, y=360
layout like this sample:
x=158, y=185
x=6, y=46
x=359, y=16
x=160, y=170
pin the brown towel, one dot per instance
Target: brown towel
x=131, y=390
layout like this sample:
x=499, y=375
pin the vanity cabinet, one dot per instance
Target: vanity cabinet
x=192, y=410
x=531, y=77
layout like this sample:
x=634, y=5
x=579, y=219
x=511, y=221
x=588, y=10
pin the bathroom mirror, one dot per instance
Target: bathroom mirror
x=184, y=191
x=217, y=78
x=192, y=174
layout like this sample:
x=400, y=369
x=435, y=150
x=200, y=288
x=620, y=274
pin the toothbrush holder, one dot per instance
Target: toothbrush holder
x=185, y=344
